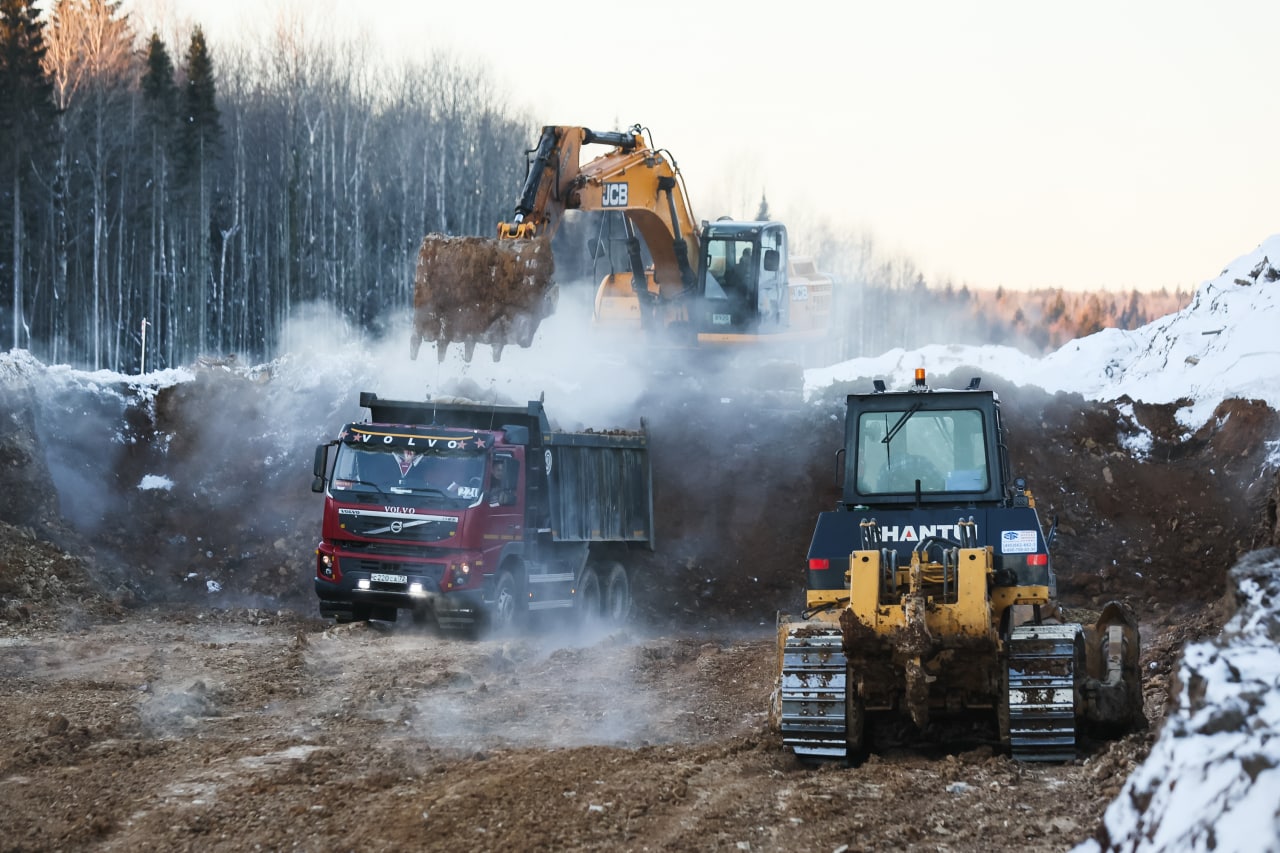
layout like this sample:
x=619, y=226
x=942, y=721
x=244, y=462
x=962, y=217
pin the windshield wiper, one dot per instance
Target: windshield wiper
x=417, y=490
x=906, y=416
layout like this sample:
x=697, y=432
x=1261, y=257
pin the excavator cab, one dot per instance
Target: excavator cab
x=742, y=282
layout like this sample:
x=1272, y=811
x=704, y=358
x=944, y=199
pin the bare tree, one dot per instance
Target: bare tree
x=91, y=63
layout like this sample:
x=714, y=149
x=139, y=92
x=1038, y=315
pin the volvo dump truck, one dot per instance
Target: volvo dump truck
x=931, y=599
x=478, y=516
x=680, y=283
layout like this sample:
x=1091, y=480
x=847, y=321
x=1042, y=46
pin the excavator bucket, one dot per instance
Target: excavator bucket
x=473, y=290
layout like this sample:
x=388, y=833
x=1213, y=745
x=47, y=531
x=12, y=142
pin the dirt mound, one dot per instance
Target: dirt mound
x=473, y=290
x=190, y=506
x=25, y=496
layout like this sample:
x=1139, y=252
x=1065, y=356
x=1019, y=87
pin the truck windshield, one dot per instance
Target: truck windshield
x=943, y=449
x=450, y=476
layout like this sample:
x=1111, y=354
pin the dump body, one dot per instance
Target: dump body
x=471, y=513
x=931, y=597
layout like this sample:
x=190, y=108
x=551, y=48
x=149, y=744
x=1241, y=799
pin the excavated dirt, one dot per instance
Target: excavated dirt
x=144, y=710
x=473, y=290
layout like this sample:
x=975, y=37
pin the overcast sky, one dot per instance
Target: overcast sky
x=1025, y=144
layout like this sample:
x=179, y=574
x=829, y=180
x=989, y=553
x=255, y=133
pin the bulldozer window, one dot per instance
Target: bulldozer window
x=944, y=450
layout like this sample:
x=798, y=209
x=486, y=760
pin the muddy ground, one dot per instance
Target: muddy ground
x=141, y=711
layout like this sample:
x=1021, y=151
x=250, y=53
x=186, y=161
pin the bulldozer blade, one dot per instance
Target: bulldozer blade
x=473, y=290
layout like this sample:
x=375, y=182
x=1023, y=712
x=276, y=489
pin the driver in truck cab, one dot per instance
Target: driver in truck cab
x=502, y=481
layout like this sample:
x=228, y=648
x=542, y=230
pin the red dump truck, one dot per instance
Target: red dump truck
x=473, y=515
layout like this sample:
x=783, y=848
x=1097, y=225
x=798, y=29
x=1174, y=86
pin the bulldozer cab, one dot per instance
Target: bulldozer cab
x=924, y=448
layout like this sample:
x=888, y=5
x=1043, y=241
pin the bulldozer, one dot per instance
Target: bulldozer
x=678, y=283
x=931, y=611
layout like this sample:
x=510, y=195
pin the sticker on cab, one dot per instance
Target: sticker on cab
x=1018, y=542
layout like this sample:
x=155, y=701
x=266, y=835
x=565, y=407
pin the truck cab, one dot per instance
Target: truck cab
x=413, y=516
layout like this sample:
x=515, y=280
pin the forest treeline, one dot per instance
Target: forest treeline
x=210, y=197
x=169, y=201
x=1036, y=321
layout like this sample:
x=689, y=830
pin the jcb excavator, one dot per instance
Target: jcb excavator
x=719, y=283
x=931, y=599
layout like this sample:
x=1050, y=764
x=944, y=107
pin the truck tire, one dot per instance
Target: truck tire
x=589, y=596
x=617, y=595
x=507, y=614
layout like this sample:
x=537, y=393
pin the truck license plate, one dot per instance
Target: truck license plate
x=375, y=577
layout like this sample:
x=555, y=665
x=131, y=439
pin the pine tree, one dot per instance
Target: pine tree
x=160, y=104
x=27, y=121
x=201, y=127
x=762, y=212
x=159, y=92
x=198, y=152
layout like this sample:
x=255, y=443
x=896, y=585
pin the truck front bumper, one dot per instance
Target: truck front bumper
x=358, y=595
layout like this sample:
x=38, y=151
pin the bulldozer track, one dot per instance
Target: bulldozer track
x=813, y=693
x=1043, y=660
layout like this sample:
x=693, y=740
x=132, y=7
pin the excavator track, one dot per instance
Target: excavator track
x=813, y=693
x=1043, y=662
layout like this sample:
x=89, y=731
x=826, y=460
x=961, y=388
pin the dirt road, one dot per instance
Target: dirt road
x=246, y=730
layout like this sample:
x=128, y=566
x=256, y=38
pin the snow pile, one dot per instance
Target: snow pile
x=156, y=481
x=1222, y=345
x=1212, y=780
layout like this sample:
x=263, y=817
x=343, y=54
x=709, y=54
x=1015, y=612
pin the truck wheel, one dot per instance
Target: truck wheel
x=505, y=615
x=617, y=595
x=589, y=596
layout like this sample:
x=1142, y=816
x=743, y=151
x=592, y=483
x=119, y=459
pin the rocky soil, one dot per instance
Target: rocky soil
x=167, y=685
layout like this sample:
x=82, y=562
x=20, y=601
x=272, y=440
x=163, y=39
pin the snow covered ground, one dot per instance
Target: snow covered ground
x=1212, y=780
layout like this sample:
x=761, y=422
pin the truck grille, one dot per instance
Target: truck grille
x=408, y=530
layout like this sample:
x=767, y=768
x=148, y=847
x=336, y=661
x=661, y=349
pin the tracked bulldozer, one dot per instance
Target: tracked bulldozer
x=931, y=608
x=680, y=283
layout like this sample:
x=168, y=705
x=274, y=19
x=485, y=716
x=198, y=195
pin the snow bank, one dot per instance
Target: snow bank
x=1212, y=780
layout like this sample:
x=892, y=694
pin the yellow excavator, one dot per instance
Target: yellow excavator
x=931, y=605
x=685, y=283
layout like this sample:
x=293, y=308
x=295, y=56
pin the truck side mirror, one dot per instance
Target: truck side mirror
x=771, y=260
x=516, y=434
x=318, y=467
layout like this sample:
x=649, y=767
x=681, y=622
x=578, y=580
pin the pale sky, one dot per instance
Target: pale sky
x=1116, y=144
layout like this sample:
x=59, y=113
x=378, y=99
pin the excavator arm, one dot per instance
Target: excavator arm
x=472, y=290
